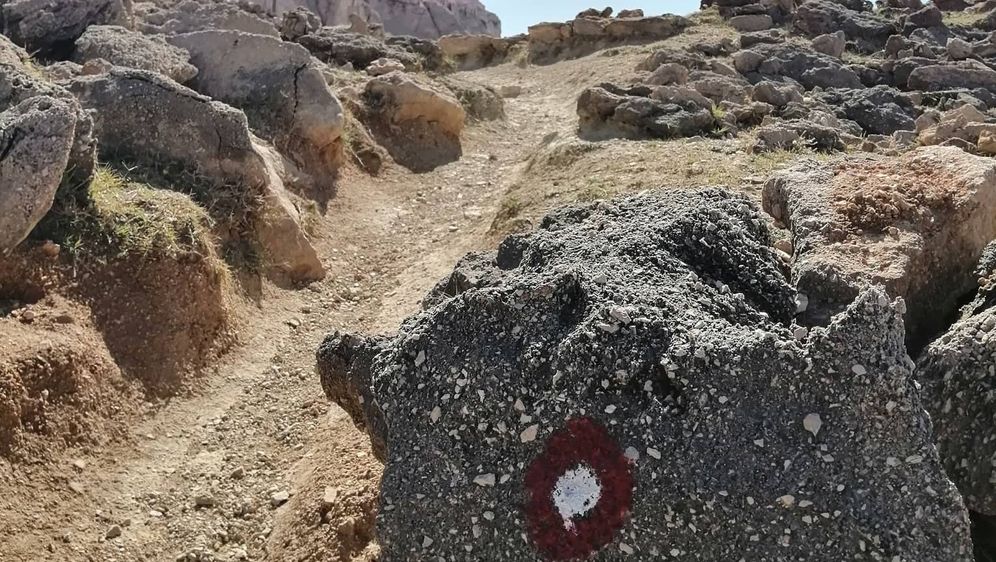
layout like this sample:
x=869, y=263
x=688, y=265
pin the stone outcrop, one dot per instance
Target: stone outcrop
x=418, y=124
x=145, y=118
x=563, y=396
x=966, y=74
x=965, y=127
x=358, y=50
x=188, y=16
x=867, y=30
x=36, y=137
x=916, y=225
x=18, y=83
x=50, y=28
x=282, y=91
x=130, y=49
x=880, y=110
x=481, y=103
x=608, y=111
x=549, y=42
x=429, y=19
x=956, y=372
x=470, y=52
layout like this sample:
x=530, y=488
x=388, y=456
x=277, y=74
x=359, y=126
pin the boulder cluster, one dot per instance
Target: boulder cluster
x=823, y=74
x=219, y=99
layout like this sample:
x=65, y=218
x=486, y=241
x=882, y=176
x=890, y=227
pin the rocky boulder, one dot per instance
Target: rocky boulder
x=915, y=225
x=965, y=126
x=481, y=103
x=561, y=397
x=805, y=66
x=282, y=91
x=418, y=124
x=188, y=16
x=50, y=28
x=608, y=111
x=428, y=19
x=145, y=118
x=470, y=52
x=12, y=54
x=793, y=134
x=18, y=83
x=130, y=49
x=964, y=74
x=36, y=137
x=549, y=42
x=868, y=31
x=880, y=110
x=959, y=385
x=358, y=50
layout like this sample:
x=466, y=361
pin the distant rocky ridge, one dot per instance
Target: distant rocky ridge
x=428, y=19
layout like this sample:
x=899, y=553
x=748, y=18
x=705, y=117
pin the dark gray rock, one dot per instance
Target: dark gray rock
x=964, y=74
x=880, y=110
x=50, y=28
x=572, y=395
x=867, y=30
x=429, y=51
x=924, y=17
x=335, y=46
x=959, y=384
x=36, y=137
x=130, y=49
x=608, y=111
x=805, y=66
x=747, y=40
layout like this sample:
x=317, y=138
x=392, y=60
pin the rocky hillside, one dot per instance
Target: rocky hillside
x=628, y=286
x=428, y=19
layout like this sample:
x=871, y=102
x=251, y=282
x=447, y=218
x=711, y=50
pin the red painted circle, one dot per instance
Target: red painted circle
x=583, y=441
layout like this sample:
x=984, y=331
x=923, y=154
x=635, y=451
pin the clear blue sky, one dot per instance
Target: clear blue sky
x=517, y=15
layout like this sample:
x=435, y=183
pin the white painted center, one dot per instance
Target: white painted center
x=576, y=493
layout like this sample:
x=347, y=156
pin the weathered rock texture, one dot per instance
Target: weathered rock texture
x=189, y=16
x=586, y=34
x=428, y=19
x=122, y=47
x=607, y=111
x=572, y=395
x=36, y=137
x=418, y=124
x=18, y=83
x=50, y=28
x=959, y=388
x=282, y=91
x=146, y=118
x=915, y=225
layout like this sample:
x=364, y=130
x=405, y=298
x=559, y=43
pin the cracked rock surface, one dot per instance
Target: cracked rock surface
x=626, y=381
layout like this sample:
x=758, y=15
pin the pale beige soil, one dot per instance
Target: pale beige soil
x=260, y=424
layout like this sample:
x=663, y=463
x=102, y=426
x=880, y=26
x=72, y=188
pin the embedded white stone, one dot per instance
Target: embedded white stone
x=576, y=493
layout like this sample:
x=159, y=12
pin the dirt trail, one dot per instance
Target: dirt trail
x=197, y=476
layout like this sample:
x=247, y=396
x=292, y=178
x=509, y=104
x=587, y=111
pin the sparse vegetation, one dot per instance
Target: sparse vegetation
x=963, y=18
x=129, y=218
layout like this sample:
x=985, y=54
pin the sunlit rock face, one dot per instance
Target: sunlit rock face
x=422, y=18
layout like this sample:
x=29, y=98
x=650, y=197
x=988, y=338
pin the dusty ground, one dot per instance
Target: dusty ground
x=207, y=476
